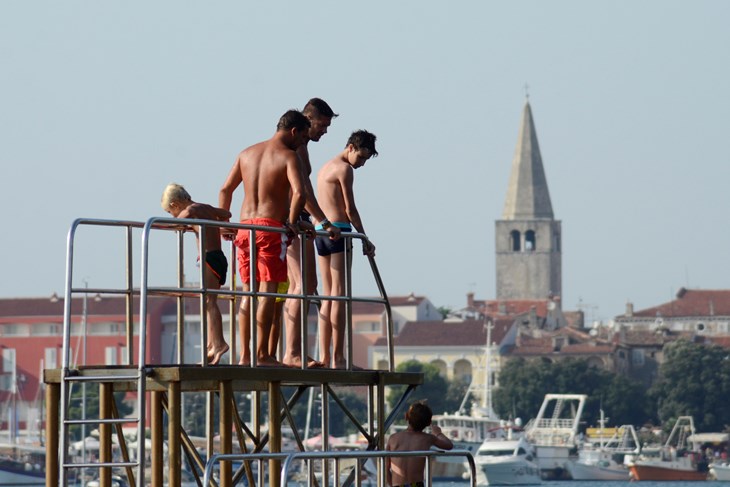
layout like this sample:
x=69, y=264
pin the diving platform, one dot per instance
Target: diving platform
x=161, y=445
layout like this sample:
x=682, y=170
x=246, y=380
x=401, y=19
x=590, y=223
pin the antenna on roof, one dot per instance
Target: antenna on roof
x=527, y=92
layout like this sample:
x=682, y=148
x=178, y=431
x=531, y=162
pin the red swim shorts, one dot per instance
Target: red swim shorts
x=270, y=248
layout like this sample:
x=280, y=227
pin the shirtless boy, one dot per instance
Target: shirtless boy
x=320, y=116
x=177, y=202
x=334, y=189
x=273, y=196
x=408, y=471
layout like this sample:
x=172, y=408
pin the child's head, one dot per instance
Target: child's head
x=419, y=416
x=174, y=199
x=362, y=140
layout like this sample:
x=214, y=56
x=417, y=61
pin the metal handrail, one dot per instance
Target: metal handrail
x=380, y=455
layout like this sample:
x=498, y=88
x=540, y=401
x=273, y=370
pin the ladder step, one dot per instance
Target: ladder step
x=101, y=421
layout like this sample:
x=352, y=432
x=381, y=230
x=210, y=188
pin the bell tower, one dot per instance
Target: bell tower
x=528, y=238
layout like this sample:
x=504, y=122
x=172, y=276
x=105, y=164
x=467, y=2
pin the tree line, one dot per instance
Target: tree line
x=693, y=380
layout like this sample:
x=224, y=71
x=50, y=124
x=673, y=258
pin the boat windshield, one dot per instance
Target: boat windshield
x=494, y=453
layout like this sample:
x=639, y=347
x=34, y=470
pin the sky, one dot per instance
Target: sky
x=104, y=103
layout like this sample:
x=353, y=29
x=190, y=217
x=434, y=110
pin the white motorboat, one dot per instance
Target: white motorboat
x=600, y=458
x=506, y=460
x=720, y=471
x=22, y=465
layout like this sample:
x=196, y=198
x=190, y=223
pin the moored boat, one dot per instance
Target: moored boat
x=22, y=465
x=553, y=433
x=602, y=458
x=720, y=471
x=506, y=459
x=678, y=459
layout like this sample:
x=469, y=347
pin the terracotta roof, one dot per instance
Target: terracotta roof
x=447, y=333
x=24, y=308
x=691, y=302
x=646, y=337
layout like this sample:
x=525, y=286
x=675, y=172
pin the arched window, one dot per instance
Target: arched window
x=514, y=240
x=462, y=370
x=441, y=365
x=530, y=243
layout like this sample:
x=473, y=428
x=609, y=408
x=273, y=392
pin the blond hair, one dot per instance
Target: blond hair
x=173, y=193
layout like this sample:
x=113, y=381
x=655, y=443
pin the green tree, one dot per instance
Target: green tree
x=92, y=407
x=433, y=389
x=523, y=385
x=694, y=380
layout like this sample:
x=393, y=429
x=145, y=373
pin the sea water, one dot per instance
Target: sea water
x=606, y=483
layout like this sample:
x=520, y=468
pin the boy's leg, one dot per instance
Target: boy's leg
x=217, y=345
x=264, y=316
x=325, y=311
x=337, y=314
x=292, y=308
x=276, y=327
x=244, y=328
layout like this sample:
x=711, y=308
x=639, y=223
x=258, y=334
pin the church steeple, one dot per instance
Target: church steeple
x=528, y=238
x=528, y=197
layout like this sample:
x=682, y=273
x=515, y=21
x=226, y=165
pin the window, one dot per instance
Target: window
x=530, y=243
x=462, y=370
x=514, y=238
x=441, y=365
x=367, y=327
x=637, y=357
x=45, y=329
x=110, y=355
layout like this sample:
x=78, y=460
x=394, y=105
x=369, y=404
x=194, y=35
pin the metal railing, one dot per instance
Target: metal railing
x=337, y=456
x=69, y=372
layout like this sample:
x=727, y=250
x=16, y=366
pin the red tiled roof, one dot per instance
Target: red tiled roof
x=409, y=300
x=691, y=302
x=12, y=309
x=447, y=333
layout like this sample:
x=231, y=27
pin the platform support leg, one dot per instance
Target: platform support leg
x=53, y=398
x=173, y=433
x=106, y=396
x=226, y=422
x=274, y=433
x=157, y=438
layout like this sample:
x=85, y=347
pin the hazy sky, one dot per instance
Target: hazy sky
x=104, y=103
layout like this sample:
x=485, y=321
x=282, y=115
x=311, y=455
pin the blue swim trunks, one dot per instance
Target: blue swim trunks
x=326, y=246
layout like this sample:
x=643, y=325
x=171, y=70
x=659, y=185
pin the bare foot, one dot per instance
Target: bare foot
x=296, y=363
x=244, y=363
x=269, y=362
x=214, y=355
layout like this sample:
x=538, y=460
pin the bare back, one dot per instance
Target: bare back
x=334, y=190
x=203, y=211
x=269, y=170
x=404, y=470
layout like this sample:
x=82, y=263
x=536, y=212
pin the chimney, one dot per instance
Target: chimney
x=469, y=300
x=629, y=309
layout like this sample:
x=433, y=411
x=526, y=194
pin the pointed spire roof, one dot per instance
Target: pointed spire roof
x=528, y=197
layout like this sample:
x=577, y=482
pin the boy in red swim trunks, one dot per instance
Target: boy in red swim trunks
x=273, y=197
x=177, y=202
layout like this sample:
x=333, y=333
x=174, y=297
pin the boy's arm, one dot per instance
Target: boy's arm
x=298, y=191
x=440, y=439
x=353, y=215
x=232, y=181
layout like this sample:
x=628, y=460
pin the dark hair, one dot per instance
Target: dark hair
x=419, y=415
x=362, y=139
x=317, y=107
x=293, y=119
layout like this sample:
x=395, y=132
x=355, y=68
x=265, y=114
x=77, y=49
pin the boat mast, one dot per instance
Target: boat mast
x=488, y=370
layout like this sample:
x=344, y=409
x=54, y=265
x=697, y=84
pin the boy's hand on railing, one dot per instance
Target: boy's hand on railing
x=368, y=248
x=334, y=232
x=306, y=227
x=228, y=233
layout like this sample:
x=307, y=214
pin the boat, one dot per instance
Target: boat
x=720, y=471
x=678, y=459
x=507, y=459
x=602, y=458
x=554, y=433
x=468, y=430
x=22, y=465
